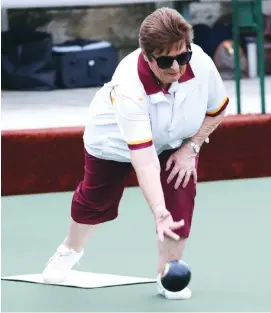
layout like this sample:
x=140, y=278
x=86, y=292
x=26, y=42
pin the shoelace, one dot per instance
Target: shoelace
x=59, y=255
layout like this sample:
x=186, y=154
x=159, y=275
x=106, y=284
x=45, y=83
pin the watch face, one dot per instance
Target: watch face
x=196, y=148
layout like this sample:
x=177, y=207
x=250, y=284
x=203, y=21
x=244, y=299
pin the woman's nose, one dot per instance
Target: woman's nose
x=175, y=65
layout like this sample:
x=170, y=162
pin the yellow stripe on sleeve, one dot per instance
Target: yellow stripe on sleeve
x=139, y=142
x=222, y=106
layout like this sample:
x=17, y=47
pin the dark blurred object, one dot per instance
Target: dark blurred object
x=226, y=21
x=27, y=61
x=84, y=63
x=202, y=37
x=210, y=38
x=224, y=60
x=217, y=43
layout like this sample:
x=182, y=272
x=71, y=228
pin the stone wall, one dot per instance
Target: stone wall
x=118, y=24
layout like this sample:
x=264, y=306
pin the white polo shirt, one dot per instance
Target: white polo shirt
x=132, y=111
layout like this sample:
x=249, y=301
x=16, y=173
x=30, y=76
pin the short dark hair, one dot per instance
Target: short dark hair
x=162, y=30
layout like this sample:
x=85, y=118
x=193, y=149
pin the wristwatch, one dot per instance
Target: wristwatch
x=196, y=147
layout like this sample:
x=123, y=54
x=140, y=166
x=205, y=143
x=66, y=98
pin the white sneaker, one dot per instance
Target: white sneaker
x=59, y=265
x=184, y=294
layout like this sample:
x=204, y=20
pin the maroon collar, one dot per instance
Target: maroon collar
x=148, y=80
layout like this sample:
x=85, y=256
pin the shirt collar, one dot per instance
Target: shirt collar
x=149, y=81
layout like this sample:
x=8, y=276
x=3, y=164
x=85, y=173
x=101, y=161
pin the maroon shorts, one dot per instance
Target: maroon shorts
x=96, y=199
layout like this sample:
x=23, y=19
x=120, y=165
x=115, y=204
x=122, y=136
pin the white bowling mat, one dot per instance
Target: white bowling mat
x=85, y=280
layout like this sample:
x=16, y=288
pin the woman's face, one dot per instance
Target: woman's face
x=172, y=73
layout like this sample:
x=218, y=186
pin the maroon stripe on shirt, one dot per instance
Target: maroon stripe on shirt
x=140, y=145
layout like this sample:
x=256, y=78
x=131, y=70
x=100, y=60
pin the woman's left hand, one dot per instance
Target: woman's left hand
x=184, y=165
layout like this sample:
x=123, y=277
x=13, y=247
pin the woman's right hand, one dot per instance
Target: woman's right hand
x=165, y=225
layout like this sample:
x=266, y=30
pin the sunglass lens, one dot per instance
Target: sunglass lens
x=184, y=58
x=164, y=62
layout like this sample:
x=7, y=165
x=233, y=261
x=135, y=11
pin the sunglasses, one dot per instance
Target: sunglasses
x=165, y=62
